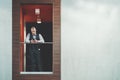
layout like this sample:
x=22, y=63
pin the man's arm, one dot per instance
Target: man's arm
x=27, y=38
x=41, y=39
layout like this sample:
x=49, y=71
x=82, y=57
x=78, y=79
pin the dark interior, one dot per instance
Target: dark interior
x=45, y=29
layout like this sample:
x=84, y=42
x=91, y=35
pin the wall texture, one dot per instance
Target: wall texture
x=6, y=42
x=90, y=40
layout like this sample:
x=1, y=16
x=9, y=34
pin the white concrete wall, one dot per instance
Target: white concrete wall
x=90, y=40
x=5, y=39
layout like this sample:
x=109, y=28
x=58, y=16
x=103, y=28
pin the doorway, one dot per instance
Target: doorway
x=28, y=19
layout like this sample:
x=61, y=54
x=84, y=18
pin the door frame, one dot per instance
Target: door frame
x=16, y=39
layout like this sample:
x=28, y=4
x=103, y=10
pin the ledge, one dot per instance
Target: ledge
x=36, y=72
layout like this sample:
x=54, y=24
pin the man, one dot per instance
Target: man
x=34, y=50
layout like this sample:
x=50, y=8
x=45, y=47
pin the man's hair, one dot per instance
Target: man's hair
x=35, y=28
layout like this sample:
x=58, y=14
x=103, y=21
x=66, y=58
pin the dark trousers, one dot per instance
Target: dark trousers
x=35, y=59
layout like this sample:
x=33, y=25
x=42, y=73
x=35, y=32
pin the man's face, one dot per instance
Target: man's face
x=33, y=30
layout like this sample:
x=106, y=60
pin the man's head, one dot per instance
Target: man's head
x=33, y=30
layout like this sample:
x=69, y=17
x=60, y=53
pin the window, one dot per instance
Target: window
x=46, y=20
x=36, y=39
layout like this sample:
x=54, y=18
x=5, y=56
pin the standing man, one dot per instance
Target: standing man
x=33, y=39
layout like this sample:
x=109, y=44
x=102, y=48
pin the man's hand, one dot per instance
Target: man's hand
x=34, y=41
x=31, y=41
